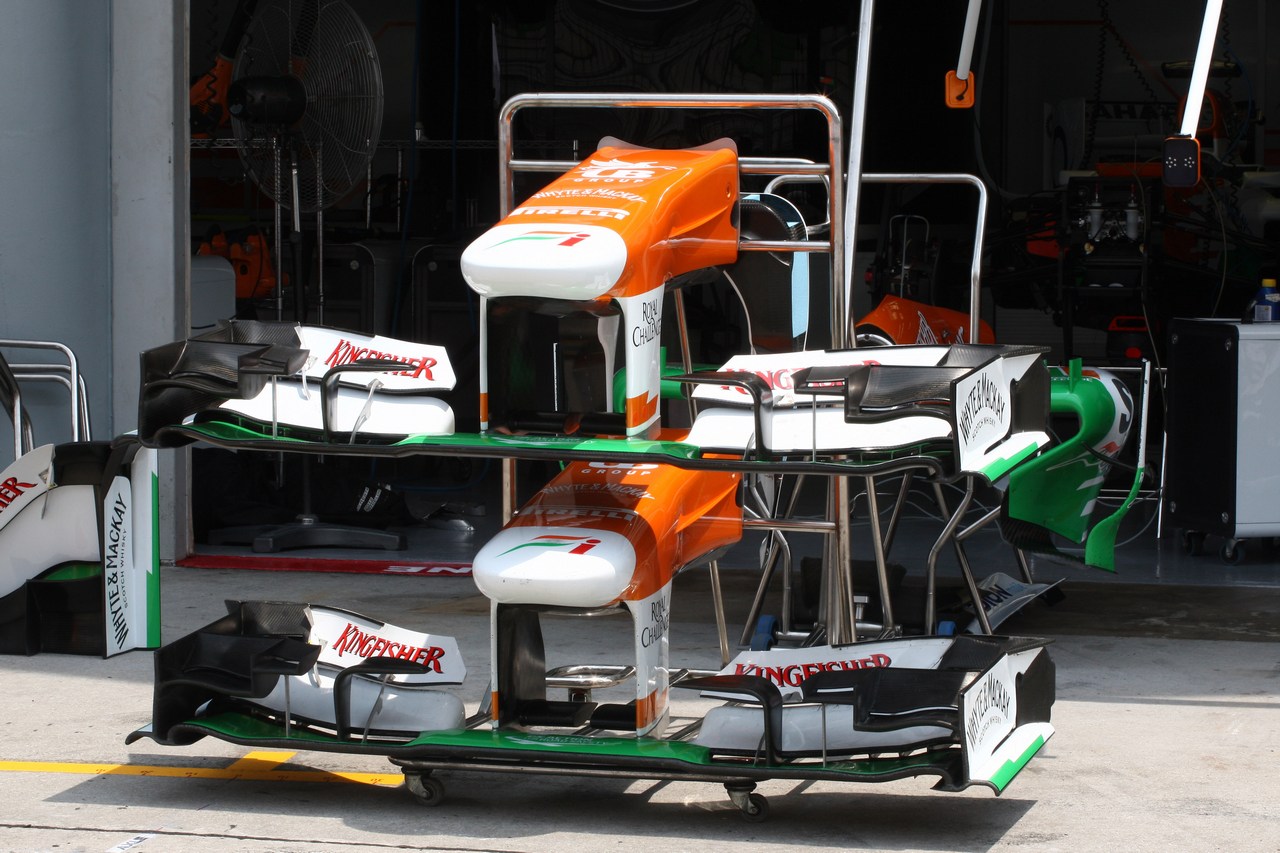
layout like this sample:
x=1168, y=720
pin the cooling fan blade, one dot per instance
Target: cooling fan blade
x=307, y=85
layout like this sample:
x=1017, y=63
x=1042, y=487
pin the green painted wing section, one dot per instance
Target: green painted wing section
x=228, y=432
x=514, y=744
x=1000, y=467
x=513, y=748
x=1001, y=779
x=153, y=571
x=73, y=572
x=243, y=729
x=246, y=434
x=565, y=443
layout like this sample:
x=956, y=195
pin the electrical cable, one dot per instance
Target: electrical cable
x=1100, y=65
x=1129, y=58
x=1243, y=126
x=1107, y=27
x=751, y=341
x=1222, y=224
x=1142, y=289
x=404, y=272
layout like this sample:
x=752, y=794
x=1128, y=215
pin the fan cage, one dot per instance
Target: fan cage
x=325, y=45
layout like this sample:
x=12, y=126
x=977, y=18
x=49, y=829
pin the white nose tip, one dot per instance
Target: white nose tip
x=557, y=566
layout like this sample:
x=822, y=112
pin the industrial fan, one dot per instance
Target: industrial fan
x=305, y=103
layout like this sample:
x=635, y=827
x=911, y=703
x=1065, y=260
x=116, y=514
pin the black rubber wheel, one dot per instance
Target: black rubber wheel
x=1192, y=543
x=757, y=808
x=1232, y=552
x=427, y=790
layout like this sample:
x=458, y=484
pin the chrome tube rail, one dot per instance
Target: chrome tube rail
x=837, y=595
x=839, y=603
x=979, y=233
x=831, y=170
x=69, y=371
x=61, y=375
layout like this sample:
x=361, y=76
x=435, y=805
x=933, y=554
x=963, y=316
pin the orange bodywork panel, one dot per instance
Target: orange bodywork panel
x=905, y=321
x=607, y=236
x=670, y=516
x=618, y=224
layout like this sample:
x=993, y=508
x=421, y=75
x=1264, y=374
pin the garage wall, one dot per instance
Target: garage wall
x=92, y=163
x=150, y=261
x=55, y=227
x=93, y=205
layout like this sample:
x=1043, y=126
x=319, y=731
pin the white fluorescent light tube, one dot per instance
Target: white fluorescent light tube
x=1200, y=72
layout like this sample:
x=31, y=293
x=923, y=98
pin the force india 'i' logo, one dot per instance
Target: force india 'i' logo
x=575, y=544
x=560, y=238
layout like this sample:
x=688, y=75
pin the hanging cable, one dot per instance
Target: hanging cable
x=1100, y=65
x=404, y=271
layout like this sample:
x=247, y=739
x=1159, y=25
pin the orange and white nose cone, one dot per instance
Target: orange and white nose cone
x=559, y=566
x=553, y=261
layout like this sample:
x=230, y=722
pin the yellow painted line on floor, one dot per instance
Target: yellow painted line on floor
x=261, y=760
x=254, y=767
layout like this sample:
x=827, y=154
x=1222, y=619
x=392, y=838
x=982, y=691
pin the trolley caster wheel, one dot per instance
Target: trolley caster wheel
x=757, y=808
x=1192, y=543
x=1232, y=552
x=427, y=790
x=752, y=806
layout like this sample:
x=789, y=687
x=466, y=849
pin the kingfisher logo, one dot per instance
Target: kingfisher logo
x=346, y=352
x=560, y=238
x=12, y=489
x=575, y=544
